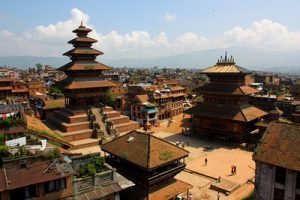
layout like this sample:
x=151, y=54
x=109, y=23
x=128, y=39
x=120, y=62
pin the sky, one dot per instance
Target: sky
x=148, y=29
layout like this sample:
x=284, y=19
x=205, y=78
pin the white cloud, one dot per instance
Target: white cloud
x=6, y=33
x=169, y=17
x=51, y=40
x=264, y=34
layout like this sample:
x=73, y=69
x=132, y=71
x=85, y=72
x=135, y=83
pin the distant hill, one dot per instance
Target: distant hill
x=256, y=59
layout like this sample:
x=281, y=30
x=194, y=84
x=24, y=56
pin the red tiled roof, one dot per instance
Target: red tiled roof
x=178, y=87
x=89, y=84
x=144, y=150
x=83, y=51
x=5, y=88
x=82, y=39
x=221, y=88
x=6, y=79
x=82, y=29
x=20, y=90
x=224, y=111
x=280, y=146
x=142, y=98
x=93, y=65
x=18, y=177
x=170, y=191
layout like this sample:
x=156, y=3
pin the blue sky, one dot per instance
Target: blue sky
x=153, y=28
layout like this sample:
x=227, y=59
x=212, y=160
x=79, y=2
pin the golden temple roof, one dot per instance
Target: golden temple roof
x=225, y=65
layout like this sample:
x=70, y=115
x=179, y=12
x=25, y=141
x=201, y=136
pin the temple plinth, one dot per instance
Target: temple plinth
x=84, y=85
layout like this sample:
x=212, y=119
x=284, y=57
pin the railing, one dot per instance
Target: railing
x=7, y=108
x=95, y=181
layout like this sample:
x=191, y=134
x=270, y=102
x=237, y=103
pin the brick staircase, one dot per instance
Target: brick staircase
x=120, y=122
x=74, y=126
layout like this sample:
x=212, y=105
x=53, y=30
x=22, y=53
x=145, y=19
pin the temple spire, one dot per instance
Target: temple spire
x=226, y=60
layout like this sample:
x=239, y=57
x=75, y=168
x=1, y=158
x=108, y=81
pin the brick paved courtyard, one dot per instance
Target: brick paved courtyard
x=220, y=159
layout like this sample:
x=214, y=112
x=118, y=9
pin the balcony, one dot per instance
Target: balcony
x=95, y=181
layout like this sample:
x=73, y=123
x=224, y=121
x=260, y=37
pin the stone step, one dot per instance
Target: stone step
x=107, y=109
x=126, y=127
x=79, y=144
x=119, y=120
x=77, y=135
x=112, y=114
x=67, y=127
x=66, y=117
x=96, y=112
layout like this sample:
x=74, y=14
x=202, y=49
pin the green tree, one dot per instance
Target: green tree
x=39, y=67
x=55, y=90
x=110, y=99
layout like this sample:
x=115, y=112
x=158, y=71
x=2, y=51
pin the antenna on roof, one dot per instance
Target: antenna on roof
x=131, y=138
x=225, y=56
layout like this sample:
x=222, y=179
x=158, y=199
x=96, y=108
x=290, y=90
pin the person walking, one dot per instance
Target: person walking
x=205, y=161
x=218, y=196
x=232, y=170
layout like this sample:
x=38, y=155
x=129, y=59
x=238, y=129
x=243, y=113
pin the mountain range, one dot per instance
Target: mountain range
x=250, y=58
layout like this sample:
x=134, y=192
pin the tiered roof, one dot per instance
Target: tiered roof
x=229, y=85
x=84, y=71
x=83, y=55
x=232, y=89
x=245, y=113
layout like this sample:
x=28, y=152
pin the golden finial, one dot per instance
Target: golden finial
x=81, y=23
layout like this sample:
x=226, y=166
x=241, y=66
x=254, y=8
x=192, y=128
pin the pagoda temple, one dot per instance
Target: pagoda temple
x=84, y=85
x=81, y=122
x=225, y=112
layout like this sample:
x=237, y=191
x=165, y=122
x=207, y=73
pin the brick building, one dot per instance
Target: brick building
x=36, y=88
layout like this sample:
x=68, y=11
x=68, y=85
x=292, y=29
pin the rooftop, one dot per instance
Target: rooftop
x=280, y=146
x=13, y=175
x=226, y=111
x=227, y=66
x=144, y=150
x=91, y=65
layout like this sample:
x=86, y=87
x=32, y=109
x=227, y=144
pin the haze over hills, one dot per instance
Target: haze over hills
x=255, y=59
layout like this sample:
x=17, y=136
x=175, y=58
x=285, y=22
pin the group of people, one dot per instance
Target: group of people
x=233, y=169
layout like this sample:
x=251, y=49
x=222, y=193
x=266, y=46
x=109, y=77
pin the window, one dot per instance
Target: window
x=31, y=191
x=298, y=180
x=280, y=174
x=55, y=185
x=235, y=127
x=278, y=194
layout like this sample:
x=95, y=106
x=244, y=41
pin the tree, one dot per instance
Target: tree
x=110, y=99
x=39, y=67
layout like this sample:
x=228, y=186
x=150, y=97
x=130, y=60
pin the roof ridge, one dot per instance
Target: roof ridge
x=169, y=143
